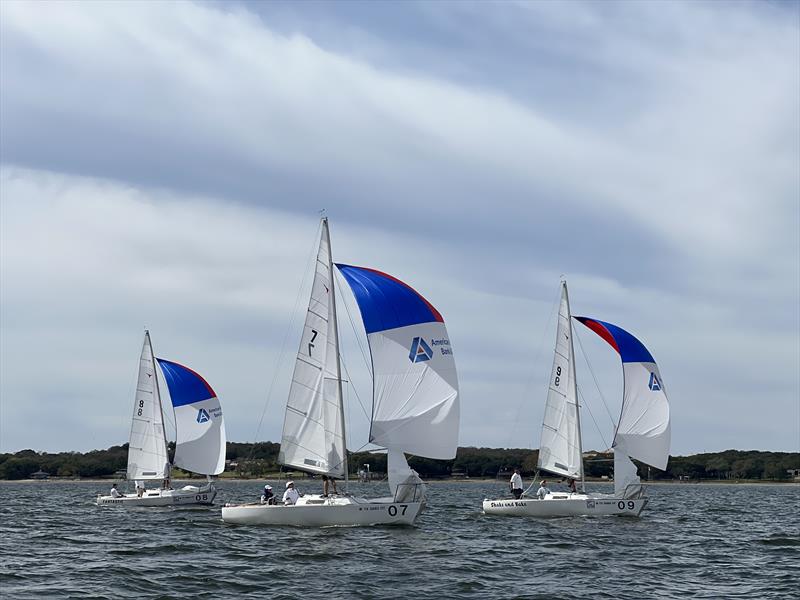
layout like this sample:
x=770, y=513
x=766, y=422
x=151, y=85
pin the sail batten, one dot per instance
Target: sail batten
x=313, y=430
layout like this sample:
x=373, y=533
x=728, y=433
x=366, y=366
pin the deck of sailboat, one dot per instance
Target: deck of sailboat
x=314, y=510
x=186, y=495
x=566, y=505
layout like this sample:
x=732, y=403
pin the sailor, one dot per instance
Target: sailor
x=571, y=486
x=327, y=482
x=516, y=484
x=268, y=497
x=115, y=492
x=542, y=491
x=291, y=495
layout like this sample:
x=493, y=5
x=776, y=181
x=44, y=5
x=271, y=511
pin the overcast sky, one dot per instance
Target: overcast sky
x=163, y=165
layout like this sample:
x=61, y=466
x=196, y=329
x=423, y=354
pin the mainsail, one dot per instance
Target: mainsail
x=200, y=428
x=313, y=428
x=560, y=445
x=147, y=448
x=415, y=385
x=643, y=431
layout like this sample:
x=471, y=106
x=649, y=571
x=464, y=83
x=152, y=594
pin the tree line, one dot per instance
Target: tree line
x=261, y=459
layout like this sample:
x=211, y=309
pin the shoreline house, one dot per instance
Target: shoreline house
x=40, y=475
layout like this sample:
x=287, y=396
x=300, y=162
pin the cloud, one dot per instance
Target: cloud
x=162, y=164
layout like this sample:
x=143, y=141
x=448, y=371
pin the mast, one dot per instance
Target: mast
x=336, y=345
x=575, y=386
x=158, y=404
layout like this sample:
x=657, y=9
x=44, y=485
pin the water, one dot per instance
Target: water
x=692, y=541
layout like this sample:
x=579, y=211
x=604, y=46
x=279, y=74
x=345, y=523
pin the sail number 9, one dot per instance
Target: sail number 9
x=621, y=505
x=558, y=375
x=393, y=510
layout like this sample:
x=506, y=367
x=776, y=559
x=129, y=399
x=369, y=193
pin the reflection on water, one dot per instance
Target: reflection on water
x=692, y=541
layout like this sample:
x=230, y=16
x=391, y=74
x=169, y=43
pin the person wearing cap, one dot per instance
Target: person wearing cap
x=516, y=484
x=268, y=496
x=542, y=491
x=291, y=495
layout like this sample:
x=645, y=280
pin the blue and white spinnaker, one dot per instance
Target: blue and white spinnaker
x=200, y=443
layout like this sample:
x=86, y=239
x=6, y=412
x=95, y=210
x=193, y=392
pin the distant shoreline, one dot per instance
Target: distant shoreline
x=474, y=480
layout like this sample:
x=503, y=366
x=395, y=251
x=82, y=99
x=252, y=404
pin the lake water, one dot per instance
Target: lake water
x=692, y=541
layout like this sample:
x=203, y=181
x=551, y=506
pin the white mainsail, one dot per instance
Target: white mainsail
x=560, y=442
x=313, y=429
x=147, y=448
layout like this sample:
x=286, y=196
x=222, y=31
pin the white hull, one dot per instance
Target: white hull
x=317, y=511
x=566, y=505
x=187, y=495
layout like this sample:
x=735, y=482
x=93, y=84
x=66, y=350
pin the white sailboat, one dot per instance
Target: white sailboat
x=643, y=431
x=200, y=429
x=415, y=400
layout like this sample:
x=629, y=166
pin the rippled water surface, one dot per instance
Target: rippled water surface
x=692, y=541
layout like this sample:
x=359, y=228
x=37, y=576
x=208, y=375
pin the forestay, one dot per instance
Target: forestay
x=147, y=448
x=415, y=385
x=560, y=445
x=643, y=431
x=313, y=435
x=200, y=427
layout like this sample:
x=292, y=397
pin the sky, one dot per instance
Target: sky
x=164, y=165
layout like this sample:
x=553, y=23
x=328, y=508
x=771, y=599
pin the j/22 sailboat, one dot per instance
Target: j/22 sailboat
x=415, y=400
x=200, y=431
x=643, y=430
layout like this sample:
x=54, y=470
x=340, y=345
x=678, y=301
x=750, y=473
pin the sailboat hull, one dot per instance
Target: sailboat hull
x=187, y=495
x=317, y=511
x=566, y=505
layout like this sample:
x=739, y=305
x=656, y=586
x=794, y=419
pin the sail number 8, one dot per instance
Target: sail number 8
x=141, y=406
x=393, y=510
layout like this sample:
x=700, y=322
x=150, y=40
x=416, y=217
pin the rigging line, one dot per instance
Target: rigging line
x=355, y=391
x=586, y=406
x=289, y=327
x=531, y=375
x=597, y=385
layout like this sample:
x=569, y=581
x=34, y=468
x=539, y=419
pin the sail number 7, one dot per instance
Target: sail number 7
x=393, y=510
x=314, y=333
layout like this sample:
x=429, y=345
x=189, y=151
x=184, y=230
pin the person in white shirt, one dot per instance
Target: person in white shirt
x=516, y=484
x=291, y=495
x=542, y=491
x=115, y=492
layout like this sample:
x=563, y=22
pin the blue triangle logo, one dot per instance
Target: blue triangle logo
x=655, y=384
x=202, y=416
x=420, y=351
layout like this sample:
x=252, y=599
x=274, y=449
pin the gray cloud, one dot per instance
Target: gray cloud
x=162, y=165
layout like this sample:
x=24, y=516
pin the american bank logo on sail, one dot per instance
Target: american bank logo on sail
x=420, y=350
x=654, y=384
